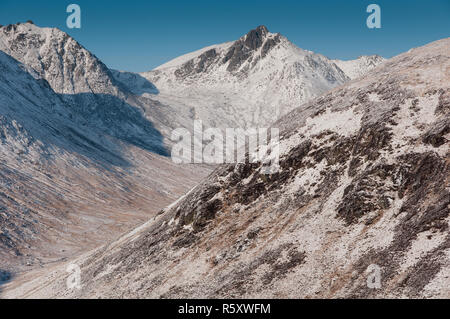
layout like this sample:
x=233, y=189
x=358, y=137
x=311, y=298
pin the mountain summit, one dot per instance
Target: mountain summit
x=243, y=49
x=58, y=58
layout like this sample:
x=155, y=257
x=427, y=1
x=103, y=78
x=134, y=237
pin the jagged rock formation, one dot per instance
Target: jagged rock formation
x=363, y=180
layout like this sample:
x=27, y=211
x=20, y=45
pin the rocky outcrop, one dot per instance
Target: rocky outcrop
x=243, y=49
x=205, y=61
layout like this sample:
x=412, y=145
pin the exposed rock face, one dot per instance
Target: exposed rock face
x=243, y=49
x=361, y=183
x=246, y=49
x=255, y=38
x=205, y=61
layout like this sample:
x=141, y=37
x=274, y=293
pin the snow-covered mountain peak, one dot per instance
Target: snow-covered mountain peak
x=252, y=41
x=76, y=156
x=253, y=80
x=255, y=44
x=67, y=66
x=255, y=38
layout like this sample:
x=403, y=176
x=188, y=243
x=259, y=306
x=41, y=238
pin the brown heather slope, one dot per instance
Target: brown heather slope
x=364, y=180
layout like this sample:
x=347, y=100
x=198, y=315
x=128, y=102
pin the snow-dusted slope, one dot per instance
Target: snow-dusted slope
x=359, y=67
x=134, y=82
x=246, y=83
x=362, y=186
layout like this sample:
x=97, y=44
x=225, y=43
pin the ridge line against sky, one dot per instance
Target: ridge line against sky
x=141, y=35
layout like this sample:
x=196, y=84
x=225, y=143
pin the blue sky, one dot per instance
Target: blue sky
x=140, y=35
